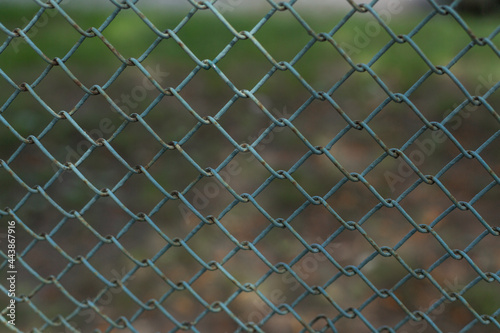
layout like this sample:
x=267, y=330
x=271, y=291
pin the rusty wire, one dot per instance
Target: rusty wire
x=319, y=322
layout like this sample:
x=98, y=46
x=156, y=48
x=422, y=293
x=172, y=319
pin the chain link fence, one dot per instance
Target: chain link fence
x=227, y=167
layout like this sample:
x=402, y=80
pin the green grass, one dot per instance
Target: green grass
x=206, y=37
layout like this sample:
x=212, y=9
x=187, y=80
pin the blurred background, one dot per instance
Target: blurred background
x=441, y=39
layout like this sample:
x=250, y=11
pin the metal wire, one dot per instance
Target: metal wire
x=292, y=308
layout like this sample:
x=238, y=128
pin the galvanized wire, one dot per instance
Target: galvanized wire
x=159, y=304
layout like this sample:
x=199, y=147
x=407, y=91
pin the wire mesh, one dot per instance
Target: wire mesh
x=248, y=196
